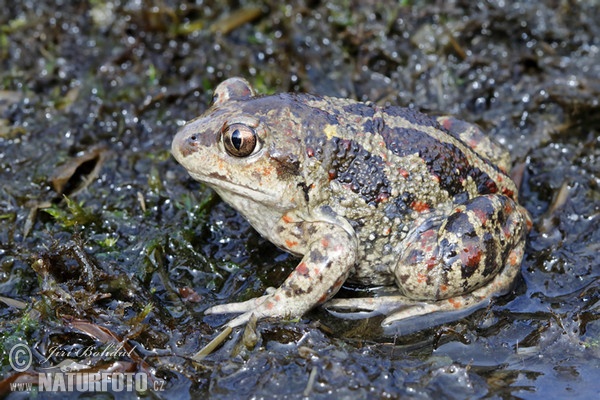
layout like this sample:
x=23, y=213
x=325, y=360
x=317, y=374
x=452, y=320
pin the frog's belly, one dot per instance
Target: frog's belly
x=379, y=249
x=367, y=274
x=377, y=260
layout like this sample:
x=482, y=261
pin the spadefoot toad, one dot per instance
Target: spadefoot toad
x=365, y=194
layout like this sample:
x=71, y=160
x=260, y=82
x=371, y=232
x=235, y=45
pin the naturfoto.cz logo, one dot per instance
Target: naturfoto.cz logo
x=64, y=379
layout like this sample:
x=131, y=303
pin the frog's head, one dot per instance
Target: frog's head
x=248, y=148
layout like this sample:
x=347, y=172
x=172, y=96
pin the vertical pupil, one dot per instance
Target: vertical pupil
x=236, y=139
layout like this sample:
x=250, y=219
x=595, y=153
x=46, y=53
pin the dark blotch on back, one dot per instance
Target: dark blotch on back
x=413, y=116
x=360, y=109
x=442, y=159
x=362, y=171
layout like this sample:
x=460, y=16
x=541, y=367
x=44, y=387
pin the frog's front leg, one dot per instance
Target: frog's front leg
x=328, y=260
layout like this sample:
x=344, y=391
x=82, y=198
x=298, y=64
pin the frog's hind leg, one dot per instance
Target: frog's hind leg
x=500, y=285
x=398, y=307
x=457, y=261
x=454, y=259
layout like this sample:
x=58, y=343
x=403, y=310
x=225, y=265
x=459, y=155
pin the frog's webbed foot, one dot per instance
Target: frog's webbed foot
x=389, y=305
x=363, y=307
x=397, y=308
x=462, y=304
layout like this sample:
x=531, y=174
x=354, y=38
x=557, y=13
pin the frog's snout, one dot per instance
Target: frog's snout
x=184, y=144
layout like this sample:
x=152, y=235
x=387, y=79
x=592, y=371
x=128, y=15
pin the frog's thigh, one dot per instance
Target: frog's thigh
x=478, y=244
x=500, y=284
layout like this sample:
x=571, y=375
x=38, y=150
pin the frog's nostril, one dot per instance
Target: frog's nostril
x=193, y=138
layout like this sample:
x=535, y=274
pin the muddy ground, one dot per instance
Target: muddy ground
x=105, y=239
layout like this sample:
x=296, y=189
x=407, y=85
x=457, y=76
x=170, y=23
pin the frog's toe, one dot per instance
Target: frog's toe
x=382, y=304
x=461, y=304
x=360, y=304
x=235, y=308
x=368, y=306
x=398, y=308
x=240, y=320
x=353, y=308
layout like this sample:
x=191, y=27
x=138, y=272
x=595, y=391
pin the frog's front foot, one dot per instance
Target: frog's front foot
x=261, y=307
x=317, y=278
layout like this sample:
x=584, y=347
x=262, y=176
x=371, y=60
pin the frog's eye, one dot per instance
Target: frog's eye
x=239, y=140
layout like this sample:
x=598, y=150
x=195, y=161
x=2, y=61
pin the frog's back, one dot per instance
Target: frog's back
x=387, y=167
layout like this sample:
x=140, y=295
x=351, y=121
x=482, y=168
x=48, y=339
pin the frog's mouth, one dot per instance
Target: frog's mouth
x=220, y=184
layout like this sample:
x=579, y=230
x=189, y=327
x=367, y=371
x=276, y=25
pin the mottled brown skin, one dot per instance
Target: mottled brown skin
x=367, y=195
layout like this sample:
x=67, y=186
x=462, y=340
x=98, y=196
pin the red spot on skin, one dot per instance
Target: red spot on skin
x=337, y=285
x=325, y=243
x=529, y=223
x=404, y=173
x=419, y=206
x=286, y=218
x=310, y=152
x=447, y=123
x=455, y=303
x=508, y=193
x=481, y=215
x=269, y=305
x=322, y=299
x=431, y=263
x=513, y=258
x=491, y=185
x=443, y=288
x=291, y=243
x=435, y=178
x=302, y=269
x=421, y=278
x=428, y=234
x=471, y=257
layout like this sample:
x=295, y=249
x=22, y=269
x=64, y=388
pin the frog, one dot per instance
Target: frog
x=365, y=195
